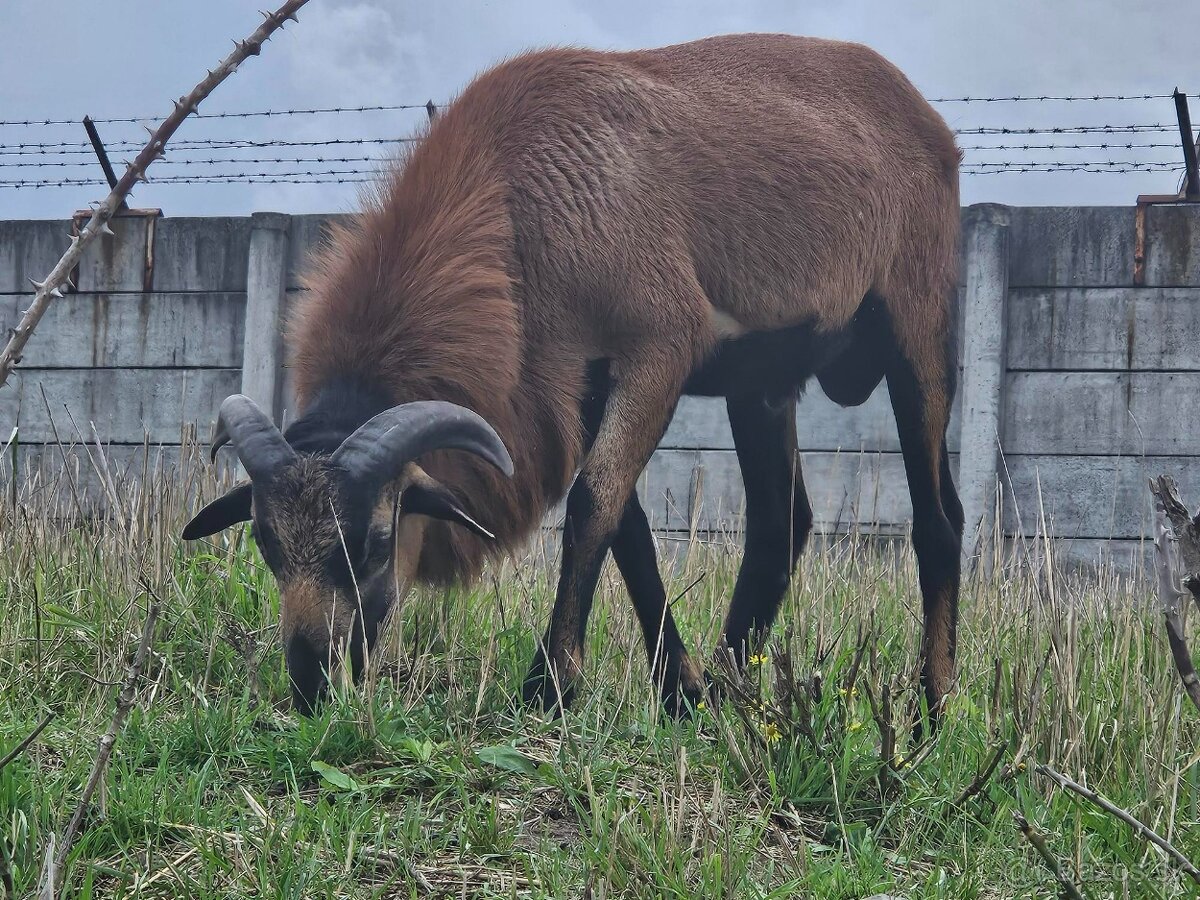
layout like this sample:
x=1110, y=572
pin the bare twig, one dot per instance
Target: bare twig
x=984, y=775
x=53, y=878
x=1169, y=508
x=51, y=287
x=1037, y=840
x=33, y=735
x=865, y=640
x=881, y=712
x=1109, y=807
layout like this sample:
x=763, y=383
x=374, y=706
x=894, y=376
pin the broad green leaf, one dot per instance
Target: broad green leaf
x=508, y=758
x=336, y=777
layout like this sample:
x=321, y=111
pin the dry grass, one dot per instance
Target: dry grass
x=433, y=781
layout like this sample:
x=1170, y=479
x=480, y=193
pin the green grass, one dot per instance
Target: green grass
x=433, y=780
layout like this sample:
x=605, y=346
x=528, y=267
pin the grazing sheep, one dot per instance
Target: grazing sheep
x=578, y=240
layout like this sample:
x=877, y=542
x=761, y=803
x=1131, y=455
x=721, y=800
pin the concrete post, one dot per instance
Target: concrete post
x=266, y=287
x=985, y=228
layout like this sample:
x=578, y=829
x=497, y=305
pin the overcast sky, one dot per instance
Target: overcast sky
x=66, y=58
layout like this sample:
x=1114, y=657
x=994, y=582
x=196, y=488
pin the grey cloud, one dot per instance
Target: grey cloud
x=352, y=52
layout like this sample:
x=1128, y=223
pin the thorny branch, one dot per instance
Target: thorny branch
x=1112, y=809
x=1170, y=509
x=51, y=287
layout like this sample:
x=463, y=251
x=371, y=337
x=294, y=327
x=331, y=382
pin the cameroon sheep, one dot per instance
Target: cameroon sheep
x=578, y=240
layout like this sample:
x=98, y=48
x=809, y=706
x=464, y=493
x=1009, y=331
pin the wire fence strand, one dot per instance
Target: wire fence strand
x=988, y=150
x=400, y=107
x=1044, y=98
x=248, y=114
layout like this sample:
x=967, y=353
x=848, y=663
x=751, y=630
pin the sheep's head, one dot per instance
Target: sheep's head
x=341, y=532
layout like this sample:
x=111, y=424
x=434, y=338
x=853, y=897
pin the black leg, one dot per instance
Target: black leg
x=778, y=515
x=922, y=407
x=578, y=577
x=642, y=398
x=950, y=502
x=671, y=667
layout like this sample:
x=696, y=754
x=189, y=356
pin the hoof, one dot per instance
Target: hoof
x=686, y=688
x=926, y=719
x=547, y=690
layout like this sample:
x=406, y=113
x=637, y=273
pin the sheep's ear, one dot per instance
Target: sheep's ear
x=228, y=509
x=428, y=497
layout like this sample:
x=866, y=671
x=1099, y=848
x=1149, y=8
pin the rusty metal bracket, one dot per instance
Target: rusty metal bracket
x=1190, y=193
x=81, y=217
x=1144, y=201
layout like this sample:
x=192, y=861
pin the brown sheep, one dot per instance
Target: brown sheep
x=579, y=239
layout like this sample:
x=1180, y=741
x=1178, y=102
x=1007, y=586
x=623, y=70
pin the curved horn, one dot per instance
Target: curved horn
x=378, y=451
x=259, y=444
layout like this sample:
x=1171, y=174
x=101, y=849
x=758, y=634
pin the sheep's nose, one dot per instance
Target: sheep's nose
x=306, y=669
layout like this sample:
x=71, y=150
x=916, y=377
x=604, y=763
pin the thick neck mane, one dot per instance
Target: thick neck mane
x=414, y=300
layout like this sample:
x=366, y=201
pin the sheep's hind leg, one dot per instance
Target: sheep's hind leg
x=921, y=382
x=778, y=516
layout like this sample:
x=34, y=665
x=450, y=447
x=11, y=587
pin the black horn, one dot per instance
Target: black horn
x=259, y=444
x=378, y=451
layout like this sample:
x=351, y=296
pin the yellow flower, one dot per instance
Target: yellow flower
x=1020, y=767
x=770, y=731
x=854, y=726
x=701, y=705
x=758, y=659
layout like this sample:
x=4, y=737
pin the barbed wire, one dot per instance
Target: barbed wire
x=357, y=175
x=1071, y=129
x=1152, y=145
x=397, y=107
x=199, y=153
x=84, y=148
x=249, y=114
x=279, y=160
x=1117, y=166
x=283, y=142
x=203, y=162
x=1046, y=98
x=70, y=148
x=330, y=177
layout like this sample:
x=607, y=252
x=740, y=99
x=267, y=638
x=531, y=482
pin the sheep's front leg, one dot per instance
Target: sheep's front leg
x=640, y=406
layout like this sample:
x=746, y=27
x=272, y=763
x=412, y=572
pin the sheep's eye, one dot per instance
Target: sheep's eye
x=377, y=549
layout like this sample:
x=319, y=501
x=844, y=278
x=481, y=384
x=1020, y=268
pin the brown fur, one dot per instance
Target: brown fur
x=575, y=205
x=302, y=519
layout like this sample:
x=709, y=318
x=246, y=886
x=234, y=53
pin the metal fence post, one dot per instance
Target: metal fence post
x=266, y=288
x=985, y=227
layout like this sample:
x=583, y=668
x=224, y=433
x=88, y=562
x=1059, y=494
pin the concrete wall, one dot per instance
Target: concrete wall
x=1077, y=383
